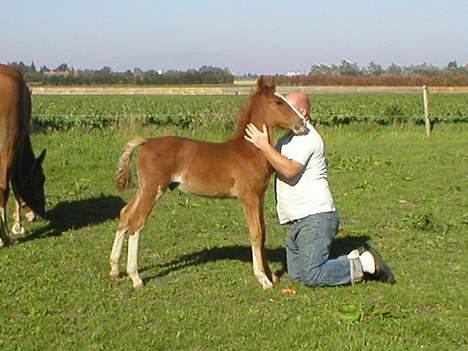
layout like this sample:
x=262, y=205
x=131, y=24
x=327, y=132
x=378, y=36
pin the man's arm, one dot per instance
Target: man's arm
x=286, y=167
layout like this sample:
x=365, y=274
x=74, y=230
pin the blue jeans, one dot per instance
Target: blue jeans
x=308, y=248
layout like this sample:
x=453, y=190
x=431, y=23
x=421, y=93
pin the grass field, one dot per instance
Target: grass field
x=394, y=189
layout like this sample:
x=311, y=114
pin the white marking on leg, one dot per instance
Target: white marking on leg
x=159, y=193
x=4, y=239
x=261, y=276
x=116, y=252
x=132, y=260
x=16, y=214
x=17, y=228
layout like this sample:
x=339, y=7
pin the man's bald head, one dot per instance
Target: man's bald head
x=300, y=101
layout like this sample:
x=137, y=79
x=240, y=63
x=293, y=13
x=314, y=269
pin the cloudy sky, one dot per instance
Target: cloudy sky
x=256, y=36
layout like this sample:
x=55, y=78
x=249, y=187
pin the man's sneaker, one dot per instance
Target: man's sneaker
x=382, y=270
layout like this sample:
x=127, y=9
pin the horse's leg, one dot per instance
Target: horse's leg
x=142, y=208
x=17, y=227
x=4, y=238
x=119, y=237
x=116, y=251
x=273, y=276
x=251, y=205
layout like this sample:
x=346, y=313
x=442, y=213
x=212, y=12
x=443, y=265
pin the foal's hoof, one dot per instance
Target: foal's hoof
x=114, y=275
x=138, y=285
x=266, y=283
x=17, y=229
x=5, y=242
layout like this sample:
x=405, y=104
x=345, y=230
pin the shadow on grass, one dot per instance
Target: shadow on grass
x=340, y=246
x=68, y=215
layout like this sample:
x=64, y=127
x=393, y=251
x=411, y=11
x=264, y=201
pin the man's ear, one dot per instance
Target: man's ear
x=303, y=111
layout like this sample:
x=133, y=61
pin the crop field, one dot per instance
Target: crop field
x=63, y=112
x=394, y=189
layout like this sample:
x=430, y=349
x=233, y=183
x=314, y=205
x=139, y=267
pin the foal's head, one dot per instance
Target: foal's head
x=275, y=109
x=32, y=186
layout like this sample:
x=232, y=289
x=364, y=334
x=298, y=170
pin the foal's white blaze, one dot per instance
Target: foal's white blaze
x=30, y=216
x=132, y=264
x=261, y=277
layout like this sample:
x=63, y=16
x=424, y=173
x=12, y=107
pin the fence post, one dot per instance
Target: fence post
x=427, y=116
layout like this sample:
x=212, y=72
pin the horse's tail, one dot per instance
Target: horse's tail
x=124, y=176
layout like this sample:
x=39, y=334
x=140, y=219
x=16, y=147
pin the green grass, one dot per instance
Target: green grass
x=394, y=188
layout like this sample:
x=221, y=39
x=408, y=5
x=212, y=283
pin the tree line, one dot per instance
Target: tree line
x=349, y=73
x=65, y=75
x=344, y=73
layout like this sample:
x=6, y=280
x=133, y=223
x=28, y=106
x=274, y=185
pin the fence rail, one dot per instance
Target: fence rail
x=235, y=90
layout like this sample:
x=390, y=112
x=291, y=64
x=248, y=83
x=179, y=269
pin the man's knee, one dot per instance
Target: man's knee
x=311, y=277
x=295, y=277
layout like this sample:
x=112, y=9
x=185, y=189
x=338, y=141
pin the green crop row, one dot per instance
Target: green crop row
x=72, y=111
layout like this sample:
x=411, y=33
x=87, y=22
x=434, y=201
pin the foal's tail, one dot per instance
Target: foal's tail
x=124, y=176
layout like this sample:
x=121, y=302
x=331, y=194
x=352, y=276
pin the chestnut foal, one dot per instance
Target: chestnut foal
x=232, y=169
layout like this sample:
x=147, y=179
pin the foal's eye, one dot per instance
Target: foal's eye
x=279, y=102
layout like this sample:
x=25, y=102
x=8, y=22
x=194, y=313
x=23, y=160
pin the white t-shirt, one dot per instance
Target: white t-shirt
x=308, y=193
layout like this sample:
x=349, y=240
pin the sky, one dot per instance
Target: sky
x=256, y=36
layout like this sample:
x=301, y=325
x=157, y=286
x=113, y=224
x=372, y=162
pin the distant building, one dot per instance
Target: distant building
x=294, y=74
x=56, y=73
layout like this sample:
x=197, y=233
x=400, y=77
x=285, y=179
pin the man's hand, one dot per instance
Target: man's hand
x=256, y=137
x=283, y=165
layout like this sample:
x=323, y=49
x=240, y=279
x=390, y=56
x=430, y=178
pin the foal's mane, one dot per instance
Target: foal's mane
x=244, y=118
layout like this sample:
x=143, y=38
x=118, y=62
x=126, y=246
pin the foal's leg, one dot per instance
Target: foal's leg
x=140, y=212
x=252, y=212
x=273, y=276
x=119, y=237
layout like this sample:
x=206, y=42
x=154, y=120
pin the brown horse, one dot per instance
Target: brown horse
x=232, y=169
x=17, y=162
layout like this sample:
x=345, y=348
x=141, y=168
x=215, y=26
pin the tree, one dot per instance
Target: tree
x=321, y=69
x=62, y=68
x=374, y=69
x=348, y=68
x=394, y=70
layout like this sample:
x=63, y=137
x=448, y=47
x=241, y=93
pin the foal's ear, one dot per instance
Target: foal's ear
x=266, y=85
x=41, y=157
x=37, y=162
